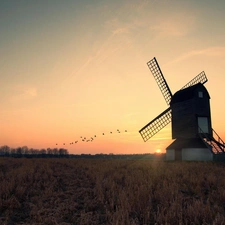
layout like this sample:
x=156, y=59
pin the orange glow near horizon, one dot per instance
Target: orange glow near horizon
x=158, y=151
x=78, y=69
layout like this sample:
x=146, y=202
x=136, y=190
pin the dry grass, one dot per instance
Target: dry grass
x=92, y=191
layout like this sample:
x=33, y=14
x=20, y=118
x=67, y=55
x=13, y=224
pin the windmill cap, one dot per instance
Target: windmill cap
x=188, y=93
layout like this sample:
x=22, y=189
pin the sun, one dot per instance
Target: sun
x=158, y=150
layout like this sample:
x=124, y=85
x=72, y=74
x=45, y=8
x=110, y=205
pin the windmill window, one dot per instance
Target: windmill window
x=200, y=94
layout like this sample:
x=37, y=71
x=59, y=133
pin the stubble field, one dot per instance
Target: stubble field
x=110, y=191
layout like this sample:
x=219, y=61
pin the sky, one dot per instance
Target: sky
x=78, y=68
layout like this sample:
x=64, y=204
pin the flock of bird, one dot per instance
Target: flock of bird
x=85, y=139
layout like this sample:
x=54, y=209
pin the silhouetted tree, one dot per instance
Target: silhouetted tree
x=49, y=151
x=19, y=151
x=13, y=151
x=55, y=151
x=63, y=152
x=25, y=150
x=5, y=150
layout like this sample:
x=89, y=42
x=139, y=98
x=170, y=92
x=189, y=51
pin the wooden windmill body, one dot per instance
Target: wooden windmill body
x=189, y=112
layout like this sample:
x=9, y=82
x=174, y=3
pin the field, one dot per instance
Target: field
x=110, y=191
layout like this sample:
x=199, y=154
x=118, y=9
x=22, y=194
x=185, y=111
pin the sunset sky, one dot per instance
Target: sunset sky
x=71, y=68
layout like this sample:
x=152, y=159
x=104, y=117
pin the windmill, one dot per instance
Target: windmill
x=189, y=111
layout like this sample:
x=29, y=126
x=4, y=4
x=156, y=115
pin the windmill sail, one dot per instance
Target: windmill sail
x=156, y=125
x=160, y=80
x=200, y=78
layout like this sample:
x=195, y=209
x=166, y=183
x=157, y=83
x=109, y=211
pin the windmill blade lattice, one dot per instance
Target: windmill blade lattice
x=156, y=125
x=200, y=78
x=160, y=80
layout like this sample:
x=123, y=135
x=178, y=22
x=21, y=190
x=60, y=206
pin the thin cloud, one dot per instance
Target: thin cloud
x=106, y=49
x=132, y=114
x=30, y=92
x=120, y=32
x=118, y=27
x=137, y=15
x=124, y=26
x=13, y=112
x=175, y=26
x=86, y=105
x=212, y=52
x=23, y=92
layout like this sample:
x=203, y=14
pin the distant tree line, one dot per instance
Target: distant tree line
x=61, y=152
x=31, y=152
x=149, y=156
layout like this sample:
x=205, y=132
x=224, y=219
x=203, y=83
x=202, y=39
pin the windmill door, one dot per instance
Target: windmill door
x=203, y=125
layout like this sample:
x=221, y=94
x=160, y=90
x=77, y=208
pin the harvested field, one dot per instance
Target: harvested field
x=110, y=191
